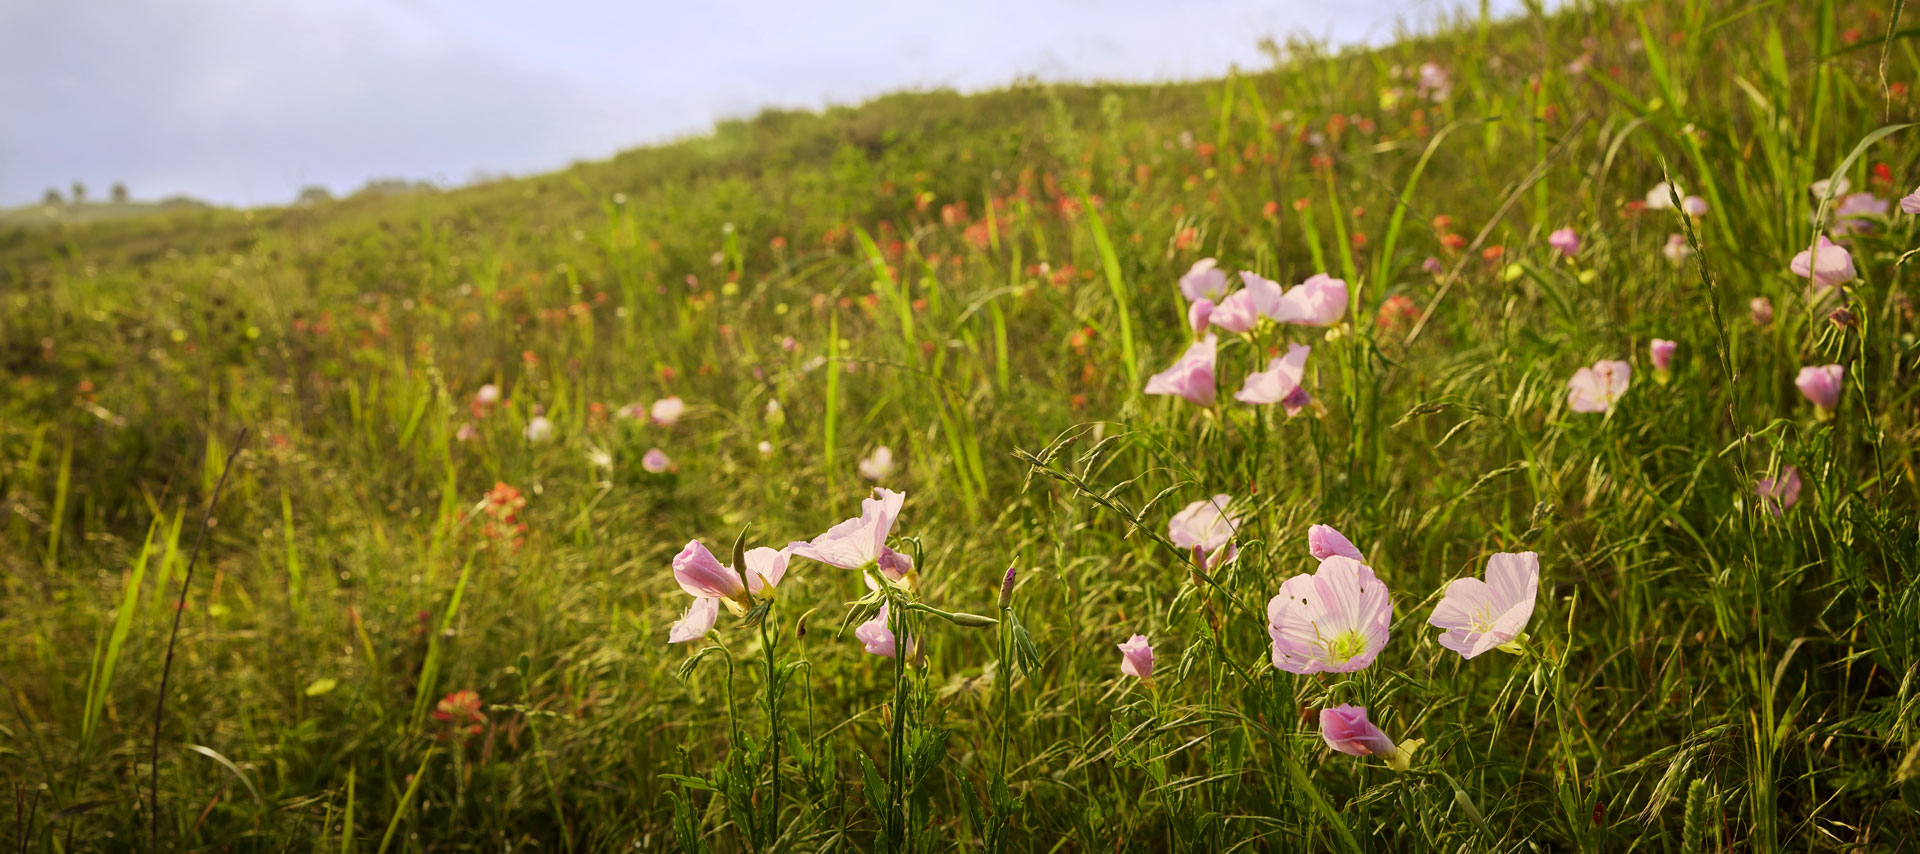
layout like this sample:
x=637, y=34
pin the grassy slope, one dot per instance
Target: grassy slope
x=1683, y=636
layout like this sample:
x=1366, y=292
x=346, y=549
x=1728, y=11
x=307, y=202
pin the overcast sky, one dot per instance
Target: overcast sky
x=247, y=101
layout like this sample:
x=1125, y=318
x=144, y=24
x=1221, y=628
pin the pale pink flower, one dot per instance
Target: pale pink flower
x=1324, y=542
x=1333, y=621
x=1204, y=280
x=1760, y=309
x=1347, y=730
x=1136, y=657
x=1660, y=198
x=1819, y=188
x=1566, y=241
x=1598, y=388
x=1241, y=311
x=1205, y=524
x=1778, y=494
x=655, y=461
x=1432, y=264
x=1482, y=615
x=1828, y=264
x=1821, y=384
x=1434, y=82
x=539, y=429
x=488, y=395
x=1199, y=314
x=1318, y=301
x=1676, y=249
x=1192, y=376
x=1693, y=206
x=1661, y=352
x=667, y=410
x=857, y=542
x=1855, y=213
x=696, y=622
x=878, y=638
x=788, y=344
x=1910, y=203
x=466, y=433
x=878, y=465
x=1280, y=382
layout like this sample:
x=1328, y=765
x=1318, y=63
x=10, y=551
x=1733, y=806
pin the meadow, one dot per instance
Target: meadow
x=1501, y=440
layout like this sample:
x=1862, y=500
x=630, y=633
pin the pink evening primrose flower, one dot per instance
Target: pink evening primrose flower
x=1333, y=621
x=1491, y=614
x=1318, y=301
x=1204, y=280
x=1598, y=388
x=1910, y=203
x=666, y=411
x=1821, y=384
x=1199, y=315
x=1205, y=525
x=1324, y=542
x=1778, y=494
x=1347, y=730
x=1660, y=197
x=857, y=542
x=1566, y=241
x=1280, y=382
x=1819, y=189
x=1661, y=352
x=1192, y=376
x=655, y=461
x=878, y=465
x=1136, y=657
x=488, y=395
x=703, y=576
x=1241, y=311
x=877, y=637
x=1432, y=264
x=696, y=622
x=1760, y=310
x=1676, y=249
x=1693, y=206
x=1827, y=264
x=1855, y=212
x=539, y=429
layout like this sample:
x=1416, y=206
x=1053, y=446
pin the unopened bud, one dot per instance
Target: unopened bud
x=1006, y=589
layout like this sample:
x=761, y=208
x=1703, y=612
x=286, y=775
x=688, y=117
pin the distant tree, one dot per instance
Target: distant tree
x=79, y=193
x=120, y=195
x=52, y=197
x=314, y=195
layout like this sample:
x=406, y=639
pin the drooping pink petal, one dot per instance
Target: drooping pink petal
x=1281, y=378
x=696, y=622
x=1827, y=264
x=1192, y=376
x=877, y=637
x=1199, y=315
x=1318, y=301
x=856, y=542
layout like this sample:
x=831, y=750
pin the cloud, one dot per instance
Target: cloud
x=241, y=101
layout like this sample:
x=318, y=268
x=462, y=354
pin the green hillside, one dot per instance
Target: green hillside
x=430, y=428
